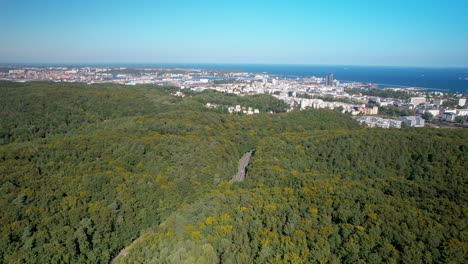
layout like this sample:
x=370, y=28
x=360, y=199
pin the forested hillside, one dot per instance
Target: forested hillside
x=87, y=169
x=373, y=196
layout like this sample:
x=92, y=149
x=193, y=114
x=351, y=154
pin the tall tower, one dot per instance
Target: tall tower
x=329, y=80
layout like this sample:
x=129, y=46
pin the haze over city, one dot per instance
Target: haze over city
x=427, y=33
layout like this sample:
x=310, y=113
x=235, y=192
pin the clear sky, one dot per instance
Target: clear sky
x=341, y=32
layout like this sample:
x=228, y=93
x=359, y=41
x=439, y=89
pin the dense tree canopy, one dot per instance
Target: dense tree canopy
x=87, y=169
x=395, y=111
x=374, y=196
x=387, y=93
x=264, y=103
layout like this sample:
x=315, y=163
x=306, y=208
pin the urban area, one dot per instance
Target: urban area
x=383, y=107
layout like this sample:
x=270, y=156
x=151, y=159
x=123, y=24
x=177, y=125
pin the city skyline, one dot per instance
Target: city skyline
x=390, y=33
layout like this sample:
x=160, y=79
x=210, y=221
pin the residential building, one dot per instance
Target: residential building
x=413, y=121
x=462, y=101
x=417, y=100
x=438, y=101
x=372, y=121
x=372, y=111
x=462, y=112
x=449, y=116
x=433, y=112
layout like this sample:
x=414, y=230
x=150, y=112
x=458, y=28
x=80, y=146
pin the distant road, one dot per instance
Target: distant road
x=244, y=161
x=242, y=165
x=124, y=251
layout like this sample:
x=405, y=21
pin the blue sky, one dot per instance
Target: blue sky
x=340, y=32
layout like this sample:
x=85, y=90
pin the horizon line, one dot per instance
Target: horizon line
x=5, y=64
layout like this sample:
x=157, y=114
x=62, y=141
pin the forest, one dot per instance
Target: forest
x=88, y=169
x=395, y=111
x=385, y=93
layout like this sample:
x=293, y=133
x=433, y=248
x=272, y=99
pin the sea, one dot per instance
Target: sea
x=450, y=79
x=453, y=80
